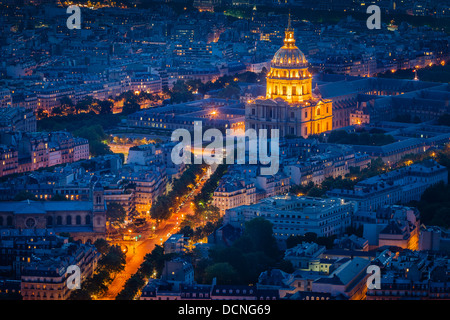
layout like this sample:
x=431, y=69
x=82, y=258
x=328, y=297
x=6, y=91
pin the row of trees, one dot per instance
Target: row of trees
x=206, y=217
x=434, y=206
x=87, y=105
x=152, y=266
x=435, y=73
x=364, y=138
x=202, y=201
x=183, y=91
x=112, y=262
x=201, y=231
x=163, y=208
x=131, y=103
x=90, y=117
x=90, y=126
x=376, y=167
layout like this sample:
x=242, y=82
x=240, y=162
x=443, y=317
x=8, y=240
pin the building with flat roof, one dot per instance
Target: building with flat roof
x=402, y=185
x=349, y=280
x=216, y=113
x=301, y=255
x=175, y=244
x=292, y=215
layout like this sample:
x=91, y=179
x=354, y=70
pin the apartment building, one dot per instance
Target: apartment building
x=292, y=215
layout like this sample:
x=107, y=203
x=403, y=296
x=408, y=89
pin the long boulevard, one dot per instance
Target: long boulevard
x=137, y=252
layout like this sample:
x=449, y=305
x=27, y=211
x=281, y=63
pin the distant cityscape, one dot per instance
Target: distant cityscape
x=358, y=119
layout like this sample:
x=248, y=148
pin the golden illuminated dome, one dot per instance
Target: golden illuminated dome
x=289, y=77
x=289, y=56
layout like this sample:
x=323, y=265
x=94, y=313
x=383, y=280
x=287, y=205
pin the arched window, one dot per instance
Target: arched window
x=9, y=221
x=78, y=220
x=49, y=221
x=68, y=220
x=318, y=111
x=88, y=220
x=58, y=220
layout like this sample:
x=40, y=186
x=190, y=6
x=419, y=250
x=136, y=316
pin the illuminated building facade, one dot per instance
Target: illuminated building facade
x=291, y=105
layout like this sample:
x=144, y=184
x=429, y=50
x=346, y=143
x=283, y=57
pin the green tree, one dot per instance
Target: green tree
x=84, y=104
x=187, y=231
x=259, y=230
x=130, y=106
x=106, y=106
x=230, y=92
x=286, y=266
x=223, y=272
x=441, y=217
x=101, y=245
x=131, y=288
x=25, y=195
x=67, y=106
x=114, y=261
x=115, y=213
x=81, y=294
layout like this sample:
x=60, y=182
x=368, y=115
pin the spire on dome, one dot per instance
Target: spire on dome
x=289, y=41
x=289, y=28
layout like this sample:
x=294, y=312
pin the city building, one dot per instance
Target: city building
x=302, y=255
x=291, y=106
x=398, y=186
x=390, y=225
x=28, y=151
x=413, y=275
x=47, y=277
x=175, y=244
x=17, y=119
x=83, y=220
x=217, y=113
x=292, y=215
x=348, y=281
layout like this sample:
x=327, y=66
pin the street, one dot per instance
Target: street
x=138, y=250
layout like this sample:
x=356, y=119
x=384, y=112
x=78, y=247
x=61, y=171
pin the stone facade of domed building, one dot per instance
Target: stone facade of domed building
x=83, y=220
x=290, y=105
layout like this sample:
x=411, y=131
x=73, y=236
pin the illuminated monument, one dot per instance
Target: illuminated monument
x=290, y=105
